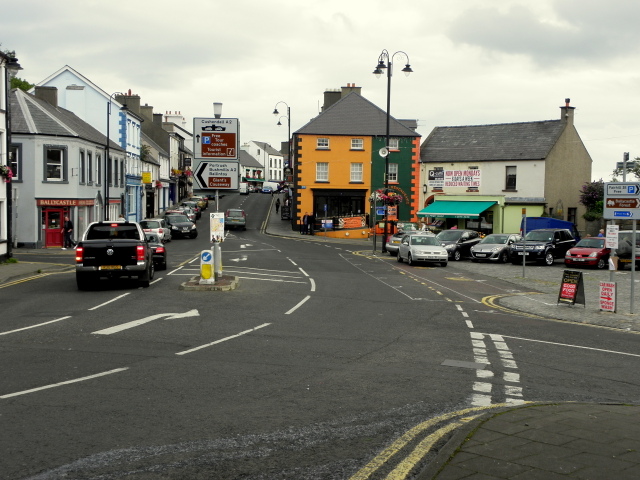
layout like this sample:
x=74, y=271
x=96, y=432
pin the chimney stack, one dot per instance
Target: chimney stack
x=48, y=94
x=566, y=112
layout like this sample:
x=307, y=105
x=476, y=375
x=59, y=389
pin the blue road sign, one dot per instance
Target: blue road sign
x=379, y=210
x=206, y=140
x=622, y=214
x=206, y=256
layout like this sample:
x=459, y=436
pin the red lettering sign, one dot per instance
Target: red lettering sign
x=219, y=182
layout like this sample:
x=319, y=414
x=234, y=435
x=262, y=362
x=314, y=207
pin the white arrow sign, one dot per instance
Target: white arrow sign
x=142, y=321
x=241, y=259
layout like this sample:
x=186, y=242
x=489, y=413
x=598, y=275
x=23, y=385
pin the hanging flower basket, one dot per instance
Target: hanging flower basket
x=390, y=198
x=158, y=184
x=6, y=172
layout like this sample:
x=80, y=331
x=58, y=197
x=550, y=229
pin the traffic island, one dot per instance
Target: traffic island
x=223, y=283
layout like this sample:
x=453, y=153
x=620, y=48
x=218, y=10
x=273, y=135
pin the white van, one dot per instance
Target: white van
x=243, y=188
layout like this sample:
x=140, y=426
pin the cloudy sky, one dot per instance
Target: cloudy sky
x=474, y=61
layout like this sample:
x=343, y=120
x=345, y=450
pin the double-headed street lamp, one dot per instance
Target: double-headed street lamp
x=385, y=61
x=107, y=162
x=288, y=117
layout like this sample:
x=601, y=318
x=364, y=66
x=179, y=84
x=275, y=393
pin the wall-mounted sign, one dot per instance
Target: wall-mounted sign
x=146, y=177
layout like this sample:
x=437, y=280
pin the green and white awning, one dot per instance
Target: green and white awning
x=455, y=209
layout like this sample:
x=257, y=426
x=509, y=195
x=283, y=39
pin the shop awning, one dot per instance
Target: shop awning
x=455, y=209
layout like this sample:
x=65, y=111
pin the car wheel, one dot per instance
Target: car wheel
x=504, y=257
x=548, y=259
x=145, y=280
x=602, y=263
x=399, y=258
x=85, y=281
x=457, y=256
x=409, y=259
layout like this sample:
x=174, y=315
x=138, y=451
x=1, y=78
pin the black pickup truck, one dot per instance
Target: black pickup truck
x=116, y=249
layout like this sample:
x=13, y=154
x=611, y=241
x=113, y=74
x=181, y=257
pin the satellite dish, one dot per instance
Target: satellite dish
x=384, y=151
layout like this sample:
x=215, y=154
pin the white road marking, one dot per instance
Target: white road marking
x=142, y=321
x=174, y=271
x=483, y=387
x=34, y=326
x=24, y=392
x=313, y=284
x=298, y=305
x=107, y=303
x=223, y=339
x=575, y=346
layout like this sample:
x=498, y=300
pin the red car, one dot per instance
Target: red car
x=588, y=252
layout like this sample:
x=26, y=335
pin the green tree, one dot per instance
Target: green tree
x=592, y=197
x=633, y=168
x=17, y=82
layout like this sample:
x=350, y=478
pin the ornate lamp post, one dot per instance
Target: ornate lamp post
x=289, y=170
x=385, y=61
x=107, y=162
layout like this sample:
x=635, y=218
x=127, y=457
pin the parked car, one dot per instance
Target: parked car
x=193, y=206
x=588, y=252
x=181, y=225
x=538, y=223
x=267, y=189
x=157, y=226
x=422, y=247
x=458, y=242
x=203, y=202
x=235, y=218
x=186, y=211
x=494, y=247
x=543, y=245
x=393, y=241
x=159, y=251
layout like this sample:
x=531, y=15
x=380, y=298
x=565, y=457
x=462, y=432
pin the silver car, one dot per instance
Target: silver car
x=422, y=247
x=495, y=247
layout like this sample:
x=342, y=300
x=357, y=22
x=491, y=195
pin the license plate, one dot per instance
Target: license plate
x=431, y=257
x=579, y=259
x=110, y=267
x=481, y=254
x=523, y=253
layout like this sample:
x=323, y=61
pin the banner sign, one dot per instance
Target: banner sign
x=608, y=296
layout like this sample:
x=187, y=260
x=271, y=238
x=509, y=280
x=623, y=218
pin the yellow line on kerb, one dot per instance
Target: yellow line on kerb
x=27, y=279
x=489, y=302
x=422, y=449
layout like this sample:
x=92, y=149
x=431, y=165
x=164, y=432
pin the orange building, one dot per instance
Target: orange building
x=337, y=164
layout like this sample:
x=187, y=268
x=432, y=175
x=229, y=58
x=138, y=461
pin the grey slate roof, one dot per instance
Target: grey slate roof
x=355, y=115
x=33, y=116
x=505, y=141
x=247, y=160
x=268, y=148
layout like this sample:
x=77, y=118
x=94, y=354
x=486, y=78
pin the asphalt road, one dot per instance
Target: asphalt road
x=327, y=362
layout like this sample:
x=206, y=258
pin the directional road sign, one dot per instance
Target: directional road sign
x=217, y=175
x=621, y=200
x=215, y=138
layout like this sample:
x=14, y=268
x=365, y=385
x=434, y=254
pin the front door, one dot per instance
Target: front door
x=53, y=219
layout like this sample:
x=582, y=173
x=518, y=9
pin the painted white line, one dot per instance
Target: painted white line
x=298, y=305
x=271, y=280
x=303, y=272
x=156, y=281
x=469, y=324
x=484, y=373
x=313, y=285
x=24, y=392
x=479, y=400
x=513, y=391
x=235, y=270
x=142, y=321
x=574, y=346
x=465, y=314
x=482, y=387
x=292, y=262
x=511, y=377
x=107, y=303
x=459, y=307
x=223, y=339
x=34, y=326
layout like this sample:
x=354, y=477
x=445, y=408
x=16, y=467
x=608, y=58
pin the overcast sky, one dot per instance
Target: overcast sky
x=474, y=61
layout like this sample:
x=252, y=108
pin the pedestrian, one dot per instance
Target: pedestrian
x=277, y=205
x=304, y=226
x=310, y=222
x=601, y=233
x=67, y=232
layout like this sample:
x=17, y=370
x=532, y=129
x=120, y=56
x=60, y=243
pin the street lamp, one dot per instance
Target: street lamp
x=289, y=153
x=11, y=69
x=385, y=61
x=107, y=163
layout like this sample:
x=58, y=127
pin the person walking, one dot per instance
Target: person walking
x=304, y=226
x=310, y=222
x=277, y=205
x=601, y=232
x=67, y=231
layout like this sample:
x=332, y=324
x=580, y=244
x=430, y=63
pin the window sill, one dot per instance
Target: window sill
x=510, y=190
x=323, y=148
x=323, y=181
x=356, y=149
x=357, y=183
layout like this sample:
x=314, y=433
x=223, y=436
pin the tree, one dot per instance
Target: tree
x=17, y=82
x=592, y=197
x=633, y=168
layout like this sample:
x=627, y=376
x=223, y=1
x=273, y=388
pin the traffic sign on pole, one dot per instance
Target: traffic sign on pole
x=621, y=200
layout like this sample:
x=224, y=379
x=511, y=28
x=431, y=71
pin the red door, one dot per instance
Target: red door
x=53, y=219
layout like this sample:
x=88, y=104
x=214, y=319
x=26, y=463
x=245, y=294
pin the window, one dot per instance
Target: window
x=89, y=168
x=16, y=162
x=510, y=183
x=394, y=144
x=115, y=177
x=393, y=172
x=122, y=182
x=356, y=172
x=572, y=213
x=357, y=144
x=83, y=167
x=55, y=164
x=322, y=172
x=98, y=169
x=323, y=143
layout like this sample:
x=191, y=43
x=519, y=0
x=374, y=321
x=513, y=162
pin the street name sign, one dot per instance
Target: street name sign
x=215, y=138
x=217, y=175
x=621, y=200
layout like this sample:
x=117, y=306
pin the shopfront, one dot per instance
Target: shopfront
x=474, y=215
x=52, y=212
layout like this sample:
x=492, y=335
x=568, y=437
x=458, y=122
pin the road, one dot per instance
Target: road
x=327, y=362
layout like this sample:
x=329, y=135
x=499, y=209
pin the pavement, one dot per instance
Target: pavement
x=532, y=441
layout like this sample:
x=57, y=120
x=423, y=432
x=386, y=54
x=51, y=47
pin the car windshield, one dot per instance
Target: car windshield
x=447, y=235
x=149, y=224
x=495, y=239
x=539, y=236
x=591, y=243
x=107, y=231
x=178, y=218
x=423, y=240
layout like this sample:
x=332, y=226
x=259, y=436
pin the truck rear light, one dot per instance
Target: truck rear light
x=140, y=253
x=79, y=252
